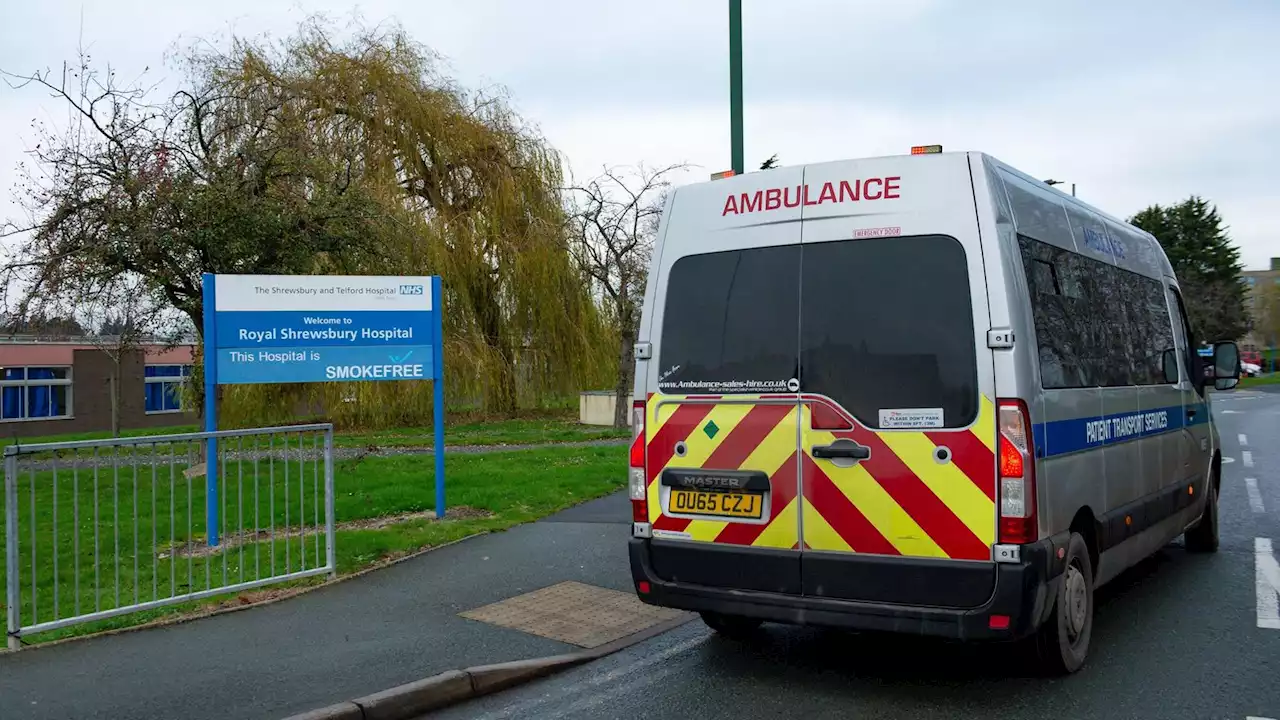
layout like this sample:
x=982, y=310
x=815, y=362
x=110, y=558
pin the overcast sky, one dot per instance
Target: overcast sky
x=1137, y=102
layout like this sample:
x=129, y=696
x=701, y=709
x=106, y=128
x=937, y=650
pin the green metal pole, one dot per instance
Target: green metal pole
x=735, y=83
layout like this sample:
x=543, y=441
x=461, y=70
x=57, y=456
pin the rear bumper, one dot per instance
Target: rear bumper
x=1023, y=592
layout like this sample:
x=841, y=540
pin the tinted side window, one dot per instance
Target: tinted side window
x=1111, y=322
x=1097, y=325
x=731, y=322
x=1061, y=340
x=1197, y=365
x=1182, y=337
x=1160, y=337
x=888, y=324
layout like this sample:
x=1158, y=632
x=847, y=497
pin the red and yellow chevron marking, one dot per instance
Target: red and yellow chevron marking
x=751, y=434
x=902, y=501
x=899, y=502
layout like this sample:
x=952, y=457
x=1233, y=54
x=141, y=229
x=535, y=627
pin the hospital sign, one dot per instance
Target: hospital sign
x=326, y=328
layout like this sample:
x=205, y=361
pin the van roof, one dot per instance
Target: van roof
x=987, y=158
x=1132, y=247
x=1067, y=198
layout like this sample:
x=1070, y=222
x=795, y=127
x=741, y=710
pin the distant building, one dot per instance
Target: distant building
x=1259, y=283
x=53, y=387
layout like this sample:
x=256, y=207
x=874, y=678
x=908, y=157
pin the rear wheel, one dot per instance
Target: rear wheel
x=1062, y=643
x=1203, y=536
x=731, y=626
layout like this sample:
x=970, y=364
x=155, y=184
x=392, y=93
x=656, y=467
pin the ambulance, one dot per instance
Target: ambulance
x=923, y=394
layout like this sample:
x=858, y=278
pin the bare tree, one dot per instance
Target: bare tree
x=124, y=318
x=81, y=183
x=211, y=178
x=614, y=220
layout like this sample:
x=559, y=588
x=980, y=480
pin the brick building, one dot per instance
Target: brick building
x=53, y=387
x=1262, y=286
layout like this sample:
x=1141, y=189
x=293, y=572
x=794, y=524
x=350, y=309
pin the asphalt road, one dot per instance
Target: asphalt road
x=1176, y=637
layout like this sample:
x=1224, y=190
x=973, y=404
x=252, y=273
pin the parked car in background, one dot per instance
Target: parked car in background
x=1250, y=369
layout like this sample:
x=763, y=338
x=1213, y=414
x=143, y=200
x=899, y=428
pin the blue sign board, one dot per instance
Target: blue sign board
x=321, y=328
x=325, y=364
x=275, y=328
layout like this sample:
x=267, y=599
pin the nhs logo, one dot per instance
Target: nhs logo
x=413, y=289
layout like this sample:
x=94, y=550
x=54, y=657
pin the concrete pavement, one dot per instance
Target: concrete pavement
x=1176, y=637
x=350, y=639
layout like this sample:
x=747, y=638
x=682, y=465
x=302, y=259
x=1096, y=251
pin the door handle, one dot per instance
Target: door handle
x=1191, y=413
x=841, y=448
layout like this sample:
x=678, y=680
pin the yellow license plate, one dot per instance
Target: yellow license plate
x=718, y=504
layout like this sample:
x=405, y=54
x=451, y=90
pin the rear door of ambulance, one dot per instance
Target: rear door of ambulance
x=722, y=415
x=898, y=423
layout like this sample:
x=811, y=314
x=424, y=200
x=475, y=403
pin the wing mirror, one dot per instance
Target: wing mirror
x=1226, y=365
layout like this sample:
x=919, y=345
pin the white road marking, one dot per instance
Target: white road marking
x=1255, y=497
x=1255, y=717
x=590, y=701
x=1267, y=582
x=586, y=687
x=1229, y=412
x=1228, y=460
x=1247, y=457
x=1244, y=440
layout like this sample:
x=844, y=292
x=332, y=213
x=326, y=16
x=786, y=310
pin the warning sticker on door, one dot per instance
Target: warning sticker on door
x=911, y=418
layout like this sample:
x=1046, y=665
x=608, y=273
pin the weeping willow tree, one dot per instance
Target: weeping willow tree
x=476, y=190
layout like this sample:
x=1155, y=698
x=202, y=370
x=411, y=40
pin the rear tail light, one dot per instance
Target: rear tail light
x=637, y=481
x=1017, y=475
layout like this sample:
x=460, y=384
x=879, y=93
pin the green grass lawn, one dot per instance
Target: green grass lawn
x=468, y=431
x=506, y=432
x=1271, y=379
x=490, y=491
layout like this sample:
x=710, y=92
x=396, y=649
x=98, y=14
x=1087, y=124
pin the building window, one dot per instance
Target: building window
x=35, y=393
x=164, y=387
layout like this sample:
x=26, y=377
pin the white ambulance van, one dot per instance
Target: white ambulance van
x=925, y=394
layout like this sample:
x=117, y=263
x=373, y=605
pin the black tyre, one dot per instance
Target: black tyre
x=1062, y=643
x=731, y=626
x=1203, y=536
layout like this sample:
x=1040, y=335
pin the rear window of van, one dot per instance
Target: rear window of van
x=732, y=322
x=875, y=324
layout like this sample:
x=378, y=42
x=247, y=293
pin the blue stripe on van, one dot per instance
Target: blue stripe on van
x=1060, y=437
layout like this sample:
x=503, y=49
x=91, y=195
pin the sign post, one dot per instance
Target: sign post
x=320, y=328
x=437, y=395
x=735, y=86
x=209, y=303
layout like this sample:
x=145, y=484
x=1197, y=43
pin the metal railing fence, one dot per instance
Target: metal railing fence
x=102, y=528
